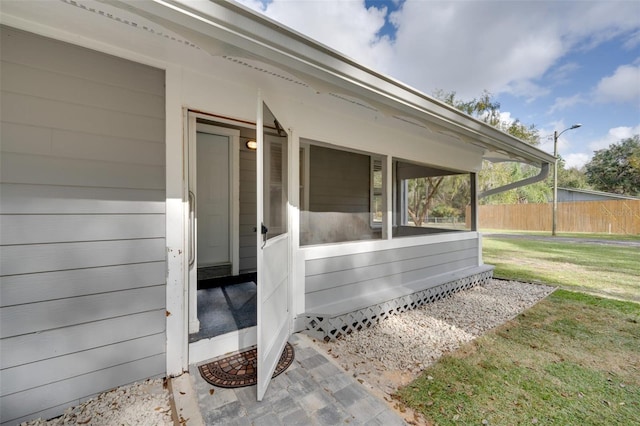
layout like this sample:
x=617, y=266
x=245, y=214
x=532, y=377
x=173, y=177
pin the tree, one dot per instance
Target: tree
x=571, y=177
x=617, y=168
x=421, y=192
x=493, y=175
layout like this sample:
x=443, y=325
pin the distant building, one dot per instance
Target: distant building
x=572, y=194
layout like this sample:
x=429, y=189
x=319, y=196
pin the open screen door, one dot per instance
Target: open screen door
x=273, y=244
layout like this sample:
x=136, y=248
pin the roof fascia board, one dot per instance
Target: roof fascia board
x=263, y=39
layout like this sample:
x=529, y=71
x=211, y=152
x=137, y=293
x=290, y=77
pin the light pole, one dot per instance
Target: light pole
x=556, y=135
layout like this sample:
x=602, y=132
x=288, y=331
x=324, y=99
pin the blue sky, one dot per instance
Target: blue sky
x=548, y=63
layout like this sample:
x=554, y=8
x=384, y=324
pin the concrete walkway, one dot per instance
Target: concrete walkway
x=313, y=391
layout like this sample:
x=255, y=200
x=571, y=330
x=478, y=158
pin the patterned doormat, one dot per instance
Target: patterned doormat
x=240, y=369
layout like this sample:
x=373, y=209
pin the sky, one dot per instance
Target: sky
x=551, y=64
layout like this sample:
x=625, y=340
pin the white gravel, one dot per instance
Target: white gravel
x=383, y=357
x=394, y=351
x=143, y=403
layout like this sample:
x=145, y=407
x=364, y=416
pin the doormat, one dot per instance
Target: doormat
x=240, y=369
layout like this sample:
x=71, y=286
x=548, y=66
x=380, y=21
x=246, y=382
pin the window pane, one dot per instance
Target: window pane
x=339, y=198
x=431, y=200
x=376, y=191
x=275, y=176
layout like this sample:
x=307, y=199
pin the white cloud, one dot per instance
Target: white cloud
x=564, y=103
x=623, y=86
x=466, y=47
x=498, y=46
x=614, y=135
x=346, y=26
x=470, y=46
x=576, y=160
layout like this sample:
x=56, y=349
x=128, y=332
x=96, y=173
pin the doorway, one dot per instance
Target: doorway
x=244, y=191
x=221, y=172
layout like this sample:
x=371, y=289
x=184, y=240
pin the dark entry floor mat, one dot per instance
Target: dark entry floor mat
x=239, y=370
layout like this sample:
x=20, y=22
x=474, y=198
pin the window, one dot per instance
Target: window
x=431, y=200
x=377, y=200
x=342, y=195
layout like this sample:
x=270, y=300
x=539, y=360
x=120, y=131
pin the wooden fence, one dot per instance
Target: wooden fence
x=613, y=217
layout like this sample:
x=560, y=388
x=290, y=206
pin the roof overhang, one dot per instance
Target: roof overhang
x=230, y=29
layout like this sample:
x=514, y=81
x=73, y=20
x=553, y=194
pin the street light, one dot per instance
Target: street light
x=556, y=135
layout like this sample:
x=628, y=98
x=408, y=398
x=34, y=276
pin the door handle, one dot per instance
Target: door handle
x=263, y=231
x=192, y=228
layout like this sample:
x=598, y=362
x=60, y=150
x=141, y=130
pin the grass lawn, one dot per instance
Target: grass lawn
x=573, y=359
x=585, y=235
x=606, y=270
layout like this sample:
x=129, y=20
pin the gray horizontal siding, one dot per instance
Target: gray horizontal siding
x=51, y=199
x=36, y=169
x=79, y=62
x=31, y=401
x=33, y=258
x=41, y=316
x=25, y=139
x=29, y=348
x=82, y=224
x=39, y=287
x=56, y=369
x=365, y=278
x=38, y=229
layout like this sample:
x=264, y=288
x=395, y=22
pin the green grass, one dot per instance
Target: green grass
x=607, y=270
x=573, y=359
x=584, y=235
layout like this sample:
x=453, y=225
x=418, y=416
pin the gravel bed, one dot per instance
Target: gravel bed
x=396, y=350
x=383, y=357
x=143, y=403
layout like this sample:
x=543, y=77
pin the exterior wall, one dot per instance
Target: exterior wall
x=338, y=197
x=569, y=195
x=338, y=283
x=82, y=225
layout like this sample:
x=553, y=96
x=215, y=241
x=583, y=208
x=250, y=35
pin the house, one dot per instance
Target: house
x=574, y=194
x=127, y=171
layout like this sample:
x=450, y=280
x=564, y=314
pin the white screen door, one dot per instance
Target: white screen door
x=273, y=245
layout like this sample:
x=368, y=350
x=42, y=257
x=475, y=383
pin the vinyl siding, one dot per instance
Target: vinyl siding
x=339, y=284
x=82, y=225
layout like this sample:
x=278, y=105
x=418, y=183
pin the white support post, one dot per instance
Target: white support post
x=387, y=199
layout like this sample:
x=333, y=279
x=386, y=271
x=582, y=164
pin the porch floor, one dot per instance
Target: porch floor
x=312, y=391
x=223, y=308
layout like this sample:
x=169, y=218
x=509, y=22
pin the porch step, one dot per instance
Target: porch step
x=328, y=322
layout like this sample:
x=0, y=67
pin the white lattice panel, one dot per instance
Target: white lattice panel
x=330, y=328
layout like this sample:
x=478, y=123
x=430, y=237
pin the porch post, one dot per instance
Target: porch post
x=176, y=331
x=387, y=199
x=474, y=201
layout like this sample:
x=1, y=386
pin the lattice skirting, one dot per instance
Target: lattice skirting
x=330, y=328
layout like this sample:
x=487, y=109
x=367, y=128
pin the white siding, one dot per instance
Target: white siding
x=82, y=224
x=337, y=284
